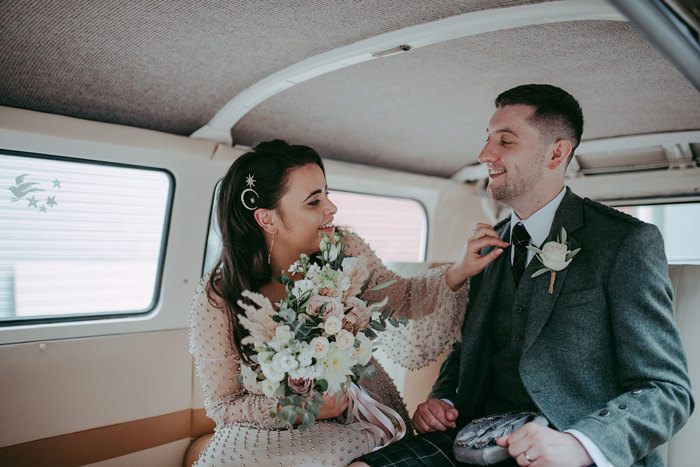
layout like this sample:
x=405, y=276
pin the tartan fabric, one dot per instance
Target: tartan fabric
x=430, y=449
x=424, y=450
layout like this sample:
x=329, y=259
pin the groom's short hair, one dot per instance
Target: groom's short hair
x=557, y=114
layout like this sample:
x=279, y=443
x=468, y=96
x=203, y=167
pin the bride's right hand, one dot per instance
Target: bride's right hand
x=330, y=409
x=472, y=263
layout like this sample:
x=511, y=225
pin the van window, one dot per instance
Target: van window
x=79, y=239
x=396, y=228
x=679, y=224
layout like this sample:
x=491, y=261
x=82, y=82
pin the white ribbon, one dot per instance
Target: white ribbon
x=382, y=421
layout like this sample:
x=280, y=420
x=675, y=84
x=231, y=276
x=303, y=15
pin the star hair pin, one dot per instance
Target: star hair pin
x=250, y=197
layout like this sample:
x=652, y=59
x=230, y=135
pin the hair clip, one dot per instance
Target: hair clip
x=250, y=197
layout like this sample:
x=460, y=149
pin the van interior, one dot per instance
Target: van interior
x=123, y=116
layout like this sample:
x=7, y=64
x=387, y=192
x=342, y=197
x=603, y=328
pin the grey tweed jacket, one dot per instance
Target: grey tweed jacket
x=601, y=354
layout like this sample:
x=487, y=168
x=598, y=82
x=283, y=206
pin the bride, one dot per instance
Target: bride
x=272, y=205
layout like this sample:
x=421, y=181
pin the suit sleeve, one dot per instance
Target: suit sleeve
x=651, y=364
x=445, y=386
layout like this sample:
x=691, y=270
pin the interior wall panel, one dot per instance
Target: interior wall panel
x=56, y=387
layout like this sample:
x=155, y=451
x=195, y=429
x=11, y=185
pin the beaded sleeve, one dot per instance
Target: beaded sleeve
x=435, y=311
x=218, y=365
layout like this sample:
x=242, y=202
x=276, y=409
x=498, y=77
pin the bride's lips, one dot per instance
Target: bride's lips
x=328, y=227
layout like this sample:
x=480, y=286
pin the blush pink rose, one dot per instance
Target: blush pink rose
x=301, y=386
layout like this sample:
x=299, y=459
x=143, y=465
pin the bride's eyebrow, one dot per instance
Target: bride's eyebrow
x=314, y=193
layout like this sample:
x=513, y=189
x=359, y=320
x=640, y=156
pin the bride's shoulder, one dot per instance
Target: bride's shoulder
x=356, y=245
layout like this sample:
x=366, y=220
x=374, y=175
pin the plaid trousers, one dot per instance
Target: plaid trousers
x=430, y=449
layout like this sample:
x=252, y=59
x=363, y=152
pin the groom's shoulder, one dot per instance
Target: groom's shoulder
x=599, y=212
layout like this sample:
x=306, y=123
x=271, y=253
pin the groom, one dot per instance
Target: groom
x=599, y=355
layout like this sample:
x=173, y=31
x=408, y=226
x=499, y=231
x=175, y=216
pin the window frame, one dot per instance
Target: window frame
x=165, y=233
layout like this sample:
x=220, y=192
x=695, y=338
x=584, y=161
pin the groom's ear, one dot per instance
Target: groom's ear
x=561, y=149
x=266, y=219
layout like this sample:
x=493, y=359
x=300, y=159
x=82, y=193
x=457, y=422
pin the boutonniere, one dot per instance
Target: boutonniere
x=554, y=256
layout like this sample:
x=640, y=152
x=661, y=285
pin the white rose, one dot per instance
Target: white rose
x=306, y=353
x=363, y=353
x=307, y=372
x=344, y=339
x=332, y=325
x=269, y=387
x=335, y=367
x=554, y=256
x=301, y=287
x=283, y=334
x=285, y=361
x=320, y=346
x=348, y=264
x=272, y=372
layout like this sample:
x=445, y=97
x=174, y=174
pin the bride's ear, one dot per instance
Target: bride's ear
x=266, y=219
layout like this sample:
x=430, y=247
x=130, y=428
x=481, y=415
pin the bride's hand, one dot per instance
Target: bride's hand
x=472, y=263
x=330, y=409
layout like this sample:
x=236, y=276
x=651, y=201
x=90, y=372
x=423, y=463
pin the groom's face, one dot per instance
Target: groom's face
x=514, y=154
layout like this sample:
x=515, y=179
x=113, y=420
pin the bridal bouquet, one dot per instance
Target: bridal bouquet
x=317, y=340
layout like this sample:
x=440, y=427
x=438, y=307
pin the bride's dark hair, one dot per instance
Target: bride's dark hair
x=243, y=264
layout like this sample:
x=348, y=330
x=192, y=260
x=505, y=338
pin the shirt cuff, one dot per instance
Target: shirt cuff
x=448, y=401
x=599, y=459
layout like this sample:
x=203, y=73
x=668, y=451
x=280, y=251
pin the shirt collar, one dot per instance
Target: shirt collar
x=539, y=224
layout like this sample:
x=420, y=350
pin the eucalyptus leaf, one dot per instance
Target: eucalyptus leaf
x=307, y=419
x=385, y=313
x=322, y=384
x=318, y=398
x=563, y=235
x=313, y=408
x=572, y=254
x=369, y=333
x=280, y=390
x=239, y=378
x=533, y=248
x=393, y=321
x=382, y=286
x=540, y=272
x=376, y=326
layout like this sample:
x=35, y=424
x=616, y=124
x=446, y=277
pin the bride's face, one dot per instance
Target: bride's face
x=304, y=211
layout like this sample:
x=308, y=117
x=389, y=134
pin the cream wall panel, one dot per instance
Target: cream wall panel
x=63, y=386
x=167, y=455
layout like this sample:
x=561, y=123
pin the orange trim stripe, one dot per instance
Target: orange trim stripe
x=98, y=444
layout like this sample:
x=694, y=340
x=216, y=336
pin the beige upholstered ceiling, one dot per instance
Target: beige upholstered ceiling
x=171, y=65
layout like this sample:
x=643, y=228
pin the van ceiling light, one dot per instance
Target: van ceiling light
x=392, y=51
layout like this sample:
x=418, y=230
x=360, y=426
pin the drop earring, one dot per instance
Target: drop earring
x=269, y=253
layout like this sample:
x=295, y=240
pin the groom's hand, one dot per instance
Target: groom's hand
x=434, y=415
x=540, y=446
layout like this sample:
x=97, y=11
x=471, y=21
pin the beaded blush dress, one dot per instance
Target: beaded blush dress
x=245, y=435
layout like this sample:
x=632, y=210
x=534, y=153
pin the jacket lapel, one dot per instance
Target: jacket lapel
x=541, y=303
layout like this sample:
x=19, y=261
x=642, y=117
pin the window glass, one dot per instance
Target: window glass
x=79, y=238
x=679, y=225
x=396, y=228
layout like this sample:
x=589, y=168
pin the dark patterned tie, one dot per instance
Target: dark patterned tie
x=520, y=239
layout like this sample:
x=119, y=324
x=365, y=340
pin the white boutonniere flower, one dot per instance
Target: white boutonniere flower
x=554, y=256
